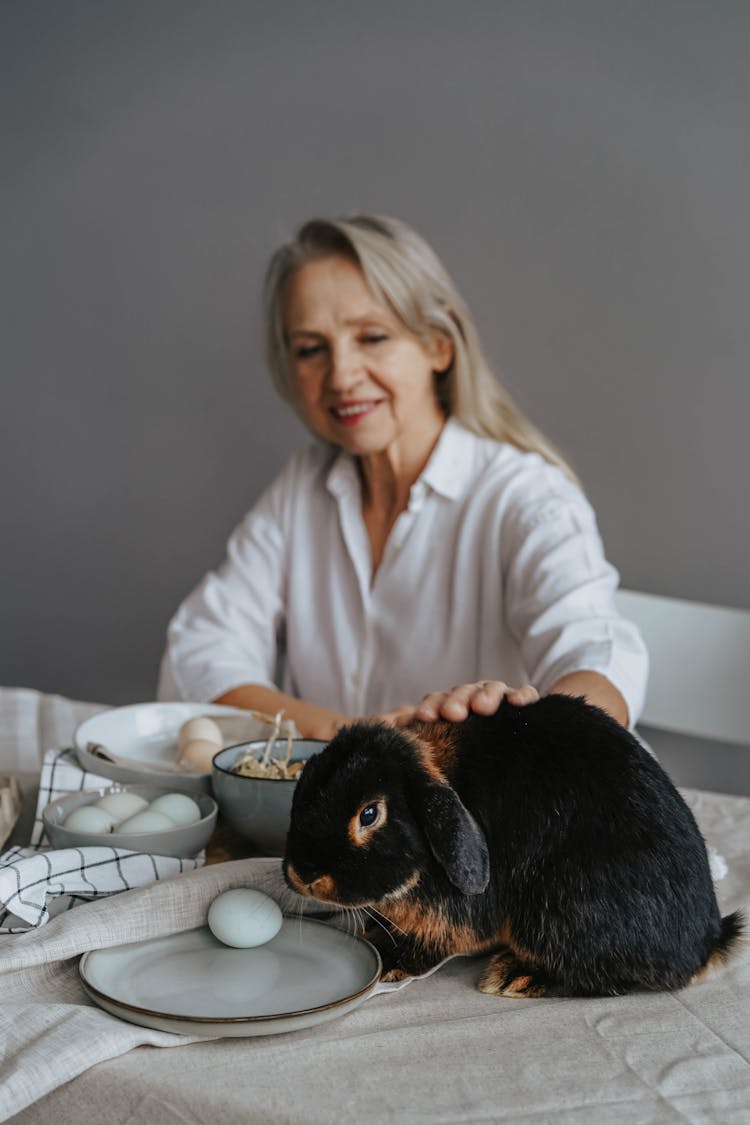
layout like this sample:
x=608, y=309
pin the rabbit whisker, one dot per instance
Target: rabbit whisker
x=348, y=919
x=373, y=914
x=345, y=918
x=390, y=922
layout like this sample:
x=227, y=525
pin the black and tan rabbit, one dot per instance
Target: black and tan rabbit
x=544, y=833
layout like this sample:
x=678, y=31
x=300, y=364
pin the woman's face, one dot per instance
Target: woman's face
x=363, y=381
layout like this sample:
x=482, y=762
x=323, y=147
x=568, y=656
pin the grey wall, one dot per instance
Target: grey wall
x=584, y=169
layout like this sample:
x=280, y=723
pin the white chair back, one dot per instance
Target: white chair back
x=699, y=682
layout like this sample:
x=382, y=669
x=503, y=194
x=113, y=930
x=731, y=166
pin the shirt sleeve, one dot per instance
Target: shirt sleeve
x=226, y=633
x=559, y=592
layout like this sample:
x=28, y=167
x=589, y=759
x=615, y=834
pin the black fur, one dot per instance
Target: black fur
x=597, y=869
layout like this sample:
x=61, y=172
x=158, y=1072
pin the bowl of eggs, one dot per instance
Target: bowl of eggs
x=139, y=818
x=253, y=784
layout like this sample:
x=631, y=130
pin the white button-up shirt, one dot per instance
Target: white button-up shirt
x=495, y=571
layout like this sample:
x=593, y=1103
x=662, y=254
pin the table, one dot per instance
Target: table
x=439, y=1051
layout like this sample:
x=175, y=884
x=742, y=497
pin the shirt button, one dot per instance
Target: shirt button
x=356, y=679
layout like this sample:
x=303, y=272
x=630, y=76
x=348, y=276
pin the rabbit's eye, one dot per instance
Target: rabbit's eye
x=368, y=815
x=367, y=821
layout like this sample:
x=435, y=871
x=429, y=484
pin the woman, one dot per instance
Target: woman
x=431, y=536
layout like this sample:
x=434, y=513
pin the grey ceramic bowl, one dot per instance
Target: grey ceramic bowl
x=180, y=841
x=257, y=808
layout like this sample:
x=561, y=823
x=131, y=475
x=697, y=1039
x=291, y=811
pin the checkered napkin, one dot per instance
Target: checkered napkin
x=38, y=882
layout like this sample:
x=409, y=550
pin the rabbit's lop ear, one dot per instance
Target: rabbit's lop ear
x=456, y=840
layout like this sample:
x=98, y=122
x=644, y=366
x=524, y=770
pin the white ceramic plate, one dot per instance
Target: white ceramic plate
x=191, y=984
x=147, y=732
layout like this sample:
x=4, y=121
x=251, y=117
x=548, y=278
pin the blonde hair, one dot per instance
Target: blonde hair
x=407, y=276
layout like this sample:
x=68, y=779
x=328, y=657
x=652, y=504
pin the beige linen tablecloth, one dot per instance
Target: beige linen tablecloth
x=437, y=1051
x=49, y=1030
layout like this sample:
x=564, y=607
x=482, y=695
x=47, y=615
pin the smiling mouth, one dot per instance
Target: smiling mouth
x=351, y=412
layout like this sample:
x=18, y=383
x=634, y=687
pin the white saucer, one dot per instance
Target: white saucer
x=143, y=737
x=191, y=984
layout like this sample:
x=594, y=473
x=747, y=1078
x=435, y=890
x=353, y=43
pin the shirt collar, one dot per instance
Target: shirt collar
x=446, y=472
x=450, y=463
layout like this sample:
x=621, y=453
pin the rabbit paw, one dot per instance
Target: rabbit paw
x=395, y=974
x=508, y=975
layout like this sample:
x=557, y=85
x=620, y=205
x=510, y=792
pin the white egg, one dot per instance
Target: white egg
x=199, y=728
x=88, y=818
x=199, y=754
x=180, y=808
x=244, y=918
x=145, y=821
x=121, y=805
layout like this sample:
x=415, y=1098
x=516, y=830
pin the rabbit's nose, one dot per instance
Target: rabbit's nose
x=306, y=882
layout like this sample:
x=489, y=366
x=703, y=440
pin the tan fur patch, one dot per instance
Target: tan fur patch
x=436, y=745
x=716, y=959
x=504, y=934
x=434, y=928
x=424, y=754
x=323, y=888
x=404, y=889
x=300, y=887
x=442, y=739
x=395, y=974
x=522, y=986
x=495, y=982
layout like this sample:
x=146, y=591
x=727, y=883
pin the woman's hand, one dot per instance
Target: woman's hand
x=483, y=698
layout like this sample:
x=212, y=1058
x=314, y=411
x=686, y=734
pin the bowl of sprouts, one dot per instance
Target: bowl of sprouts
x=253, y=784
